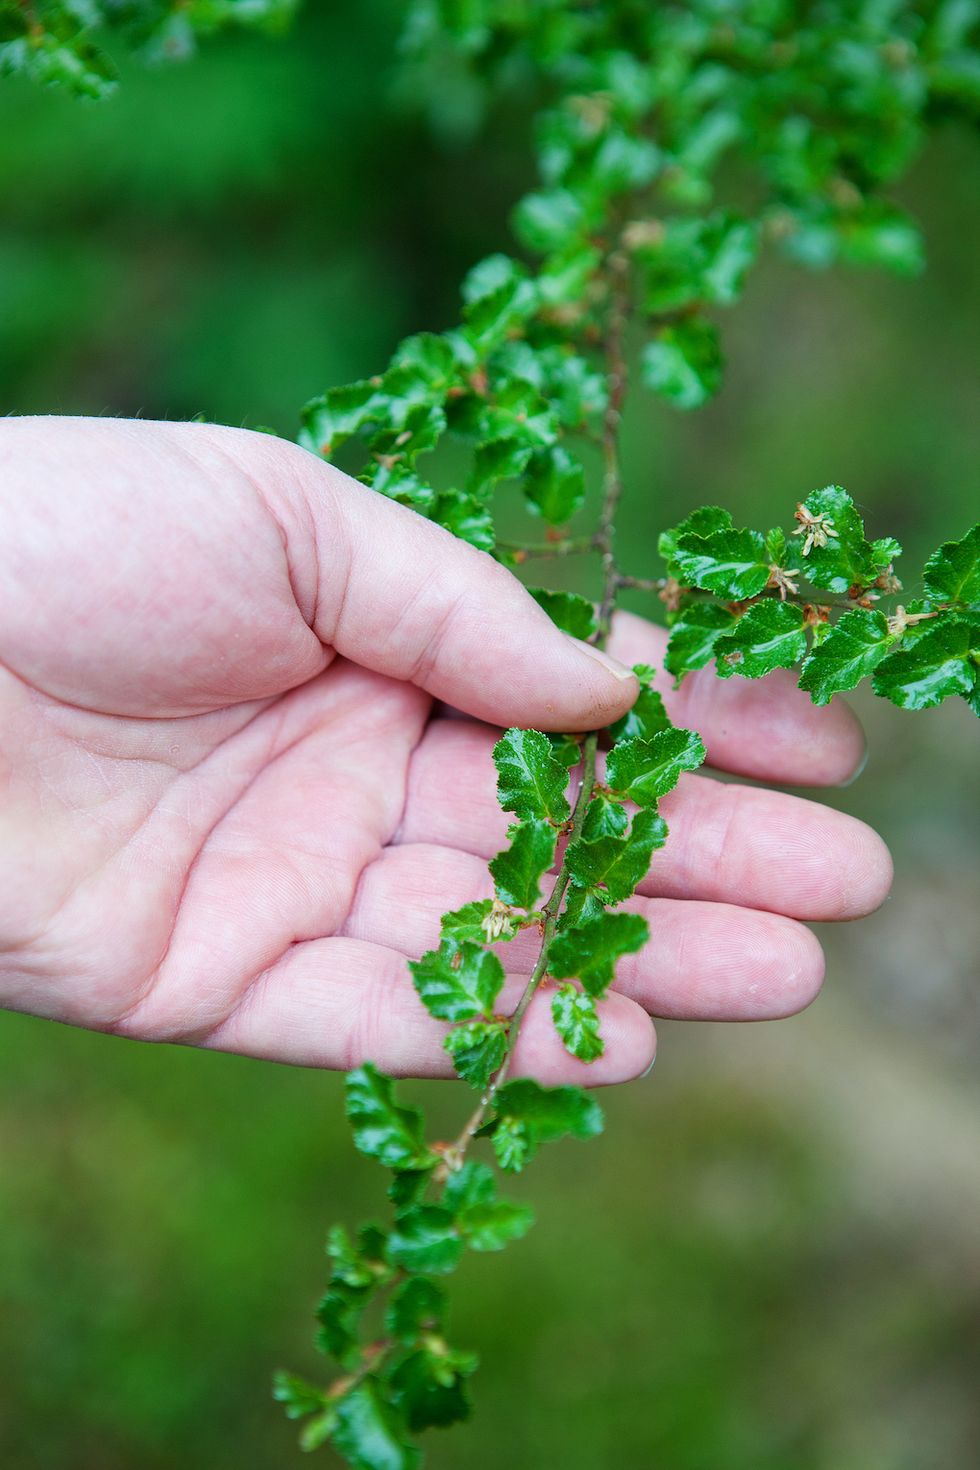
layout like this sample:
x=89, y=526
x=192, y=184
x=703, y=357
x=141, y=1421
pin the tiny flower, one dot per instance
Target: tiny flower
x=816, y=530
x=887, y=581
x=671, y=594
x=499, y=922
x=783, y=580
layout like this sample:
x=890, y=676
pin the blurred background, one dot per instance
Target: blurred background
x=780, y=1224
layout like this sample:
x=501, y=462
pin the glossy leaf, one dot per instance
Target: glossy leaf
x=530, y=781
x=518, y=870
x=645, y=770
x=769, y=635
x=577, y=1022
x=458, y=982
x=848, y=653
x=589, y=951
x=383, y=1129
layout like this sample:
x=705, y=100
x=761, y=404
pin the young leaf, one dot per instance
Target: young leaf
x=572, y=613
x=466, y=517
x=518, y=870
x=577, y=1022
x=611, y=867
x=425, y=1240
x=530, y=781
x=466, y=925
x=338, y=1316
x=418, y=1305
x=384, y=1130
x=694, y=635
x=648, y=715
x=701, y=522
x=297, y=1396
x=848, y=653
x=554, y=484
x=769, y=635
x=367, y=1431
x=590, y=949
x=474, y=1184
x=533, y=1115
x=458, y=982
x=943, y=661
x=834, y=553
x=952, y=573
x=684, y=363
x=491, y=1224
x=730, y=563
x=429, y=1386
x=604, y=818
x=477, y=1050
x=645, y=770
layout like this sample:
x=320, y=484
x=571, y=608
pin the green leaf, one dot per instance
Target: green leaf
x=554, y=484
x=498, y=296
x=577, y=1022
x=429, y=1386
x=458, y=982
x=590, y=950
x=848, y=653
x=296, y=1395
x=572, y=613
x=474, y=1184
x=384, y=1130
x=701, y=522
x=368, y=1433
x=329, y=421
x=729, y=563
x=731, y=245
x=530, y=781
x=418, y=1305
x=838, y=557
x=611, y=867
x=645, y=770
x=318, y=1430
x=648, y=715
x=604, y=818
x=549, y=220
x=338, y=1315
x=694, y=635
x=477, y=1050
x=430, y=359
x=683, y=363
x=943, y=661
x=492, y=1224
x=769, y=635
x=465, y=516
x=518, y=870
x=425, y=1240
x=529, y=1115
x=466, y=925
x=952, y=573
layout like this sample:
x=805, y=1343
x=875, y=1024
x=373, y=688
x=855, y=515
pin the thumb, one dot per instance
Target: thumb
x=400, y=595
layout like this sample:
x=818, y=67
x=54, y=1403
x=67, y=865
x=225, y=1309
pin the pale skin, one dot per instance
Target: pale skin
x=233, y=800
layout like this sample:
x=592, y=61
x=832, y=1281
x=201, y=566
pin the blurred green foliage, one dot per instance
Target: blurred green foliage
x=793, y=1281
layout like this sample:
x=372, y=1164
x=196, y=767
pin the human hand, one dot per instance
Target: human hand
x=230, y=810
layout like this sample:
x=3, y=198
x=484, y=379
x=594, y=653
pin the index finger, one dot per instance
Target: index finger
x=764, y=728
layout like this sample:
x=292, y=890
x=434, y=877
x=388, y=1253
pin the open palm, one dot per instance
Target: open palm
x=230, y=806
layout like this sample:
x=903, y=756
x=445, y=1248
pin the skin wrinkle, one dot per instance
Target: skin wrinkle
x=348, y=878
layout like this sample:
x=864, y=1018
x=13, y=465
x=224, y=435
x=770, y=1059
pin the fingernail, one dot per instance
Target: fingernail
x=602, y=657
x=649, y=1069
x=858, y=770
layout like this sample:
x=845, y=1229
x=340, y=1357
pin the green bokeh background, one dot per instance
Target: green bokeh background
x=771, y=1260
